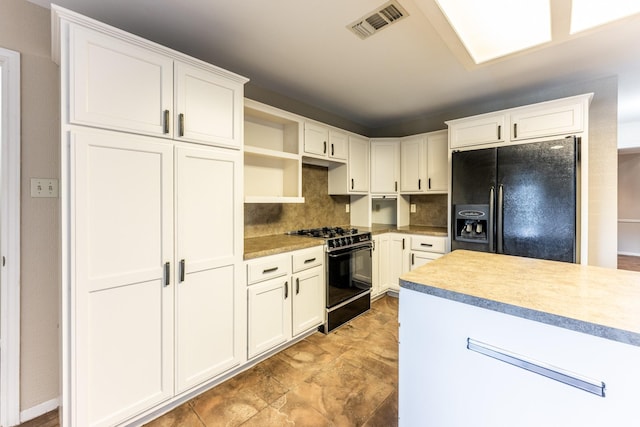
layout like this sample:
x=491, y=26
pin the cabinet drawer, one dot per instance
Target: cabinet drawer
x=267, y=268
x=308, y=258
x=428, y=244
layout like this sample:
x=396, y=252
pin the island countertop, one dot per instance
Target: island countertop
x=594, y=300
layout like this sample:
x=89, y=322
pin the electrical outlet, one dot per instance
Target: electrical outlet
x=347, y=208
x=44, y=187
x=412, y=208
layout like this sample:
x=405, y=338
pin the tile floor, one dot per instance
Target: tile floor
x=346, y=378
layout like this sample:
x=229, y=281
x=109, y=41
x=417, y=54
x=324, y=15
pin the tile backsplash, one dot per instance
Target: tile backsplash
x=319, y=209
x=431, y=210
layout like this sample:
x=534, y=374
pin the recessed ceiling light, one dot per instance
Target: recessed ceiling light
x=490, y=29
x=586, y=14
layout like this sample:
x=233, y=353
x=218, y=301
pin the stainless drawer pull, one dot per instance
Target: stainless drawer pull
x=592, y=386
x=269, y=270
x=429, y=245
x=307, y=261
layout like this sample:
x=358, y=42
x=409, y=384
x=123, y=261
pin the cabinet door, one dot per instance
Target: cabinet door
x=421, y=258
x=546, y=121
x=208, y=228
x=316, y=139
x=122, y=308
x=375, y=267
x=118, y=85
x=384, y=266
x=437, y=162
x=338, y=145
x=413, y=165
x=269, y=315
x=308, y=300
x=477, y=130
x=398, y=259
x=208, y=107
x=358, y=165
x=385, y=165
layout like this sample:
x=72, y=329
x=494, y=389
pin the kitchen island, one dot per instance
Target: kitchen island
x=493, y=340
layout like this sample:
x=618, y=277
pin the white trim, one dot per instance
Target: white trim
x=41, y=409
x=629, y=253
x=10, y=240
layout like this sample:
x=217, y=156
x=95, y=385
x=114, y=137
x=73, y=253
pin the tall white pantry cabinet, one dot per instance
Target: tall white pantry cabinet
x=153, y=302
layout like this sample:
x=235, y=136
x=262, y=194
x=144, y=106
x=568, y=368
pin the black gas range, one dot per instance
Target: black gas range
x=336, y=237
x=348, y=272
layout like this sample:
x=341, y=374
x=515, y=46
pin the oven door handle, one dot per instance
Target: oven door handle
x=349, y=251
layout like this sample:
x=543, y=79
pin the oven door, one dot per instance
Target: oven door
x=348, y=273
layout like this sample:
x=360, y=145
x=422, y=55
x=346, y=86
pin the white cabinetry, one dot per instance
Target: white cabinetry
x=208, y=109
x=316, y=139
x=483, y=129
x=376, y=285
x=308, y=289
x=269, y=303
x=547, y=120
x=423, y=163
x=152, y=297
x=122, y=202
x=495, y=393
x=385, y=166
x=338, y=145
x=566, y=116
x=272, y=166
x=209, y=317
x=398, y=259
x=425, y=249
x=129, y=84
x=285, y=297
x=352, y=178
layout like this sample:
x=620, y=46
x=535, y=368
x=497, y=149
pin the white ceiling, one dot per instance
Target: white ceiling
x=413, y=68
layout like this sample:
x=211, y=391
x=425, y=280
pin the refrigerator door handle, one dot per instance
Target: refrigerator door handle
x=490, y=225
x=499, y=230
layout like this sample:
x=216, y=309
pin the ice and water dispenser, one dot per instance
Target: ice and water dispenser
x=472, y=223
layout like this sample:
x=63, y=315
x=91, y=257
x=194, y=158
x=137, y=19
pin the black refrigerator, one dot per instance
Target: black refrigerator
x=517, y=200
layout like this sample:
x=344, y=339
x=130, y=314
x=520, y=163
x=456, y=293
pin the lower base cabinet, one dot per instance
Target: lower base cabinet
x=282, y=307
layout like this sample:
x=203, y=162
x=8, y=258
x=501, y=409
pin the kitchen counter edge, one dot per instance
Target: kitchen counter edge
x=412, y=281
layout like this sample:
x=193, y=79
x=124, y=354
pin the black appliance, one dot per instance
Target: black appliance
x=348, y=273
x=517, y=200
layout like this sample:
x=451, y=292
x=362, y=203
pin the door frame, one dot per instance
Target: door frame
x=10, y=239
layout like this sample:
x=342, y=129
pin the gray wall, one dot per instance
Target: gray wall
x=25, y=28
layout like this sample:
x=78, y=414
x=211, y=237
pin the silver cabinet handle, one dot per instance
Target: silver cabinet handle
x=167, y=273
x=583, y=383
x=182, y=268
x=181, y=124
x=166, y=122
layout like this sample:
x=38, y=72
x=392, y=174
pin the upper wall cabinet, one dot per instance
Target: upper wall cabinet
x=322, y=142
x=423, y=163
x=150, y=91
x=559, y=117
x=208, y=108
x=353, y=177
x=385, y=165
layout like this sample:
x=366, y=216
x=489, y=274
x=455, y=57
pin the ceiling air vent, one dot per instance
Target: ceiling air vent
x=378, y=20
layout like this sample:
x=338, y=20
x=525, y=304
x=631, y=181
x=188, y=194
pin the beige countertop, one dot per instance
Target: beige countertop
x=255, y=247
x=594, y=300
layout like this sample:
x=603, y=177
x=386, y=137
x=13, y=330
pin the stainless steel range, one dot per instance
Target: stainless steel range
x=348, y=273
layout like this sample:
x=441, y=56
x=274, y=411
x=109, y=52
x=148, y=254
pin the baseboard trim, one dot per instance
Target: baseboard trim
x=629, y=253
x=41, y=409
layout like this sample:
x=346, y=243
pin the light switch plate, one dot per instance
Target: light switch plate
x=412, y=208
x=44, y=187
